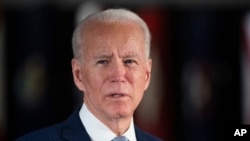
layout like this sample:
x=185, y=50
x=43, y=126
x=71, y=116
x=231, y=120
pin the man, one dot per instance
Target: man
x=111, y=65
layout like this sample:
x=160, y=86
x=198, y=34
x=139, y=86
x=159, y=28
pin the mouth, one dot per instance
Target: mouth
x=117, y=95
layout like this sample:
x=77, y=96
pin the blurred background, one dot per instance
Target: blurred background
x=200, y=84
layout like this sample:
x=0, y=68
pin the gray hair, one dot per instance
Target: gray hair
x=110, y=15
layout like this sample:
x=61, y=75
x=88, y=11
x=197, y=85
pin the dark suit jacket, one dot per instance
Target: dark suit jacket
x=73, y=130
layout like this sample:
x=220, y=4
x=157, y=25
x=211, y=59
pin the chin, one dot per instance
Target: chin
x=122, y=114
x=121, y=111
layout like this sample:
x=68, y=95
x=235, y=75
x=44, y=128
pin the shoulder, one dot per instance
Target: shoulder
x=69, y=128
x=50, y=133
x=144, y=136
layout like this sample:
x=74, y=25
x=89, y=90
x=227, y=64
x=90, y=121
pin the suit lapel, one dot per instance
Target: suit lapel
x=142, y=136
x=73, y=129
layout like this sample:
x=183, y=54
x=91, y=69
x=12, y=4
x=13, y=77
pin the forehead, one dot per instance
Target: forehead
x=96, y=29
x=106, y=35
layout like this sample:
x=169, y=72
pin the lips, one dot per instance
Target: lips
x=117, y=95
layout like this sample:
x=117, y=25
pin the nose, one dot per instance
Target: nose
x=117, y=72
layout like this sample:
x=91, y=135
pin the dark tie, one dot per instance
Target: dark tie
x=120, y=138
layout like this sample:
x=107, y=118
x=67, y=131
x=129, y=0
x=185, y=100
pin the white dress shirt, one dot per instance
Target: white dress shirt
x=99, y=131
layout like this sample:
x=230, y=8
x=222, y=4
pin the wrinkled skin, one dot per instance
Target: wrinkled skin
x=113, y=72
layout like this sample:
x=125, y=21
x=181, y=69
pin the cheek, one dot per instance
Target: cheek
x=138, y=84
x=139, y=79
x=93, y=80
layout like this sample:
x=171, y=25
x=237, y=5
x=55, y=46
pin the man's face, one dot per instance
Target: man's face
x=115, y=71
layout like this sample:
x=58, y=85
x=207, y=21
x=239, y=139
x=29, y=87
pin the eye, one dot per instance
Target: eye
x=102, y=62
x=129, y=62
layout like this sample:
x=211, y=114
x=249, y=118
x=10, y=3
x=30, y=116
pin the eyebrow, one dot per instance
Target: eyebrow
x=103, y=56
x=111, y=55
x=131, y=55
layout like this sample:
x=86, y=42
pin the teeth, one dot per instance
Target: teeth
x=116, y=95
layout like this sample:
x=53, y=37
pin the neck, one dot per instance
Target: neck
x=117, y=125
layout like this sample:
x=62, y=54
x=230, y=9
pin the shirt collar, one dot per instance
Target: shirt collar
x=99, y=131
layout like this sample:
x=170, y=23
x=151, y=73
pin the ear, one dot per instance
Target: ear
x=77, y=74
x=148, y=73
